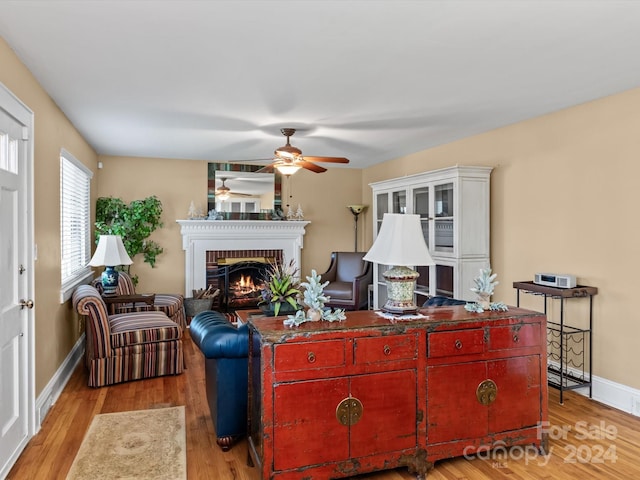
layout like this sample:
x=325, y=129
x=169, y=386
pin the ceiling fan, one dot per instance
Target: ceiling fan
x=289, y=159
x=223, y=192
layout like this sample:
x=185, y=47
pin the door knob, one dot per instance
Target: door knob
x=26, y=303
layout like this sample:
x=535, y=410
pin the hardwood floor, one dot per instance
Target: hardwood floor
x=587, y=439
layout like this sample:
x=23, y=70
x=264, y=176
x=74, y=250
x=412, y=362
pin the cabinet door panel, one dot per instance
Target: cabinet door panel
x=453, y=410
x=305, y=430
x=389, y=418
x=518, y=400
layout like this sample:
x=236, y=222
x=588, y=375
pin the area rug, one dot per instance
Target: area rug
x=141, y=445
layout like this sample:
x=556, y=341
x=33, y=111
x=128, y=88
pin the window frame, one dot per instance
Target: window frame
x=81, y=272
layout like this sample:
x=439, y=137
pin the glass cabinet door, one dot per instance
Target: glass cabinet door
x=382, y=207
x=444, y=280
x=399, y=202
x=421, y=207
x=380, y=285
x=443, y=226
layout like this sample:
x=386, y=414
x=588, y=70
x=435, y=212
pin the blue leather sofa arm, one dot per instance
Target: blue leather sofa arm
x=225, y=349
x=440, y=301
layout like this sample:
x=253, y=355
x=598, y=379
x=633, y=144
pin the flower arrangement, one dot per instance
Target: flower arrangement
x=314, y=298
x=281, y=287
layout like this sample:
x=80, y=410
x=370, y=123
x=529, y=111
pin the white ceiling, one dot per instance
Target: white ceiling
x=369, y=80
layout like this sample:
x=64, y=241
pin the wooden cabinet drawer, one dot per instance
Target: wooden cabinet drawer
x=461, y=342
x=385, y=349
x=514, y=336
x=308, y=355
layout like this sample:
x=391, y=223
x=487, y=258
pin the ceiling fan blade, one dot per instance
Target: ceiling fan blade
x=326, y=159
x=266, y=169
x=311, y=166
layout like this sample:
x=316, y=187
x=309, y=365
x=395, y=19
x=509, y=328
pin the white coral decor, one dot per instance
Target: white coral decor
x=485, y=285
x=314, y=298
x=485, y=282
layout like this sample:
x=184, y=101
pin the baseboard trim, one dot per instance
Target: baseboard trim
x=616, y=395
x=54, y=388
x=612, y=394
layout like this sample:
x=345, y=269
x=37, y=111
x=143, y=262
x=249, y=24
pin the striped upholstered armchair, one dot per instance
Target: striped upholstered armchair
x=127, y=346
x=172, y=304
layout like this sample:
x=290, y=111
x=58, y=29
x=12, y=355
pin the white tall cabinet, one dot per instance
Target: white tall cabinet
x=453, y=204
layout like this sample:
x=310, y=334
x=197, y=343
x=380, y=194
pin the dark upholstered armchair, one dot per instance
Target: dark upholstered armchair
x=349, y=278
x=127, y=346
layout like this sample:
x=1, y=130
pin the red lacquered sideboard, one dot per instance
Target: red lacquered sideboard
x=333, y=400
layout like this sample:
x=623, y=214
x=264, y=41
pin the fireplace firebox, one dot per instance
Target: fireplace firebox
x=240, y=284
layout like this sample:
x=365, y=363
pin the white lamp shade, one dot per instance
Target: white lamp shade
x=110, y=252
x=400, y=242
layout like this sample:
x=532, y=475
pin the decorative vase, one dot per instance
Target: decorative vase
x=314, y=315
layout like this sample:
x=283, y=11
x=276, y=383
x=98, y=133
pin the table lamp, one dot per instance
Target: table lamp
x=110, y=253
x=400, y=242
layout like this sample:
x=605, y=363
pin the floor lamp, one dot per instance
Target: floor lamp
x=356, y=210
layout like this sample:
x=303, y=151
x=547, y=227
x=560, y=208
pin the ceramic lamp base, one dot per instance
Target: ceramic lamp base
x=109, y=280
x=401, y=285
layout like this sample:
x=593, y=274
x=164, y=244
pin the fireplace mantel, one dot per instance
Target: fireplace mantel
x=200, y=236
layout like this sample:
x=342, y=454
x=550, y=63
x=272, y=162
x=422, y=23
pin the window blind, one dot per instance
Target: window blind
x=75, y=218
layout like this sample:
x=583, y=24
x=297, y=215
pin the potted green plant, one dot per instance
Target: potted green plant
x=134, y=222
x=281, y=290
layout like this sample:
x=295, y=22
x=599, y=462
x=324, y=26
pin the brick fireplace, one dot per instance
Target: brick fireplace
x=239, y=275
x=203, y=240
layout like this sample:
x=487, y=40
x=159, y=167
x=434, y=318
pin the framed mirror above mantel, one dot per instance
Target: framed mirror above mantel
x=246, y=193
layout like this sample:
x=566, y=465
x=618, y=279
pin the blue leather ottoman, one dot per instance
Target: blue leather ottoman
x=225, y=349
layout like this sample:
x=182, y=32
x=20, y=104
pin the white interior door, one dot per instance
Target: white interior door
x=16, y=280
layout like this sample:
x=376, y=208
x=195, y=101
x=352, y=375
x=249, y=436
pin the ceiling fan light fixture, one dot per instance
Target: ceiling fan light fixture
x=287, y=168
x=223, y=193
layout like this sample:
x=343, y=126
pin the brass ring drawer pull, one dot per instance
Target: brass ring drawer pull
x=516, y=338
x=487, y=392
x=386, y=350
x=311, y=357
x=349, y=411
x=458, y=344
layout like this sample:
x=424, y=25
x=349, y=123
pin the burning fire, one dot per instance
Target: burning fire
x=244, y=285
x=246, y=282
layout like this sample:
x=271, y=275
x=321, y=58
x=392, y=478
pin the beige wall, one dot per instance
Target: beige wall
x=563, y=195
x=56, y=325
